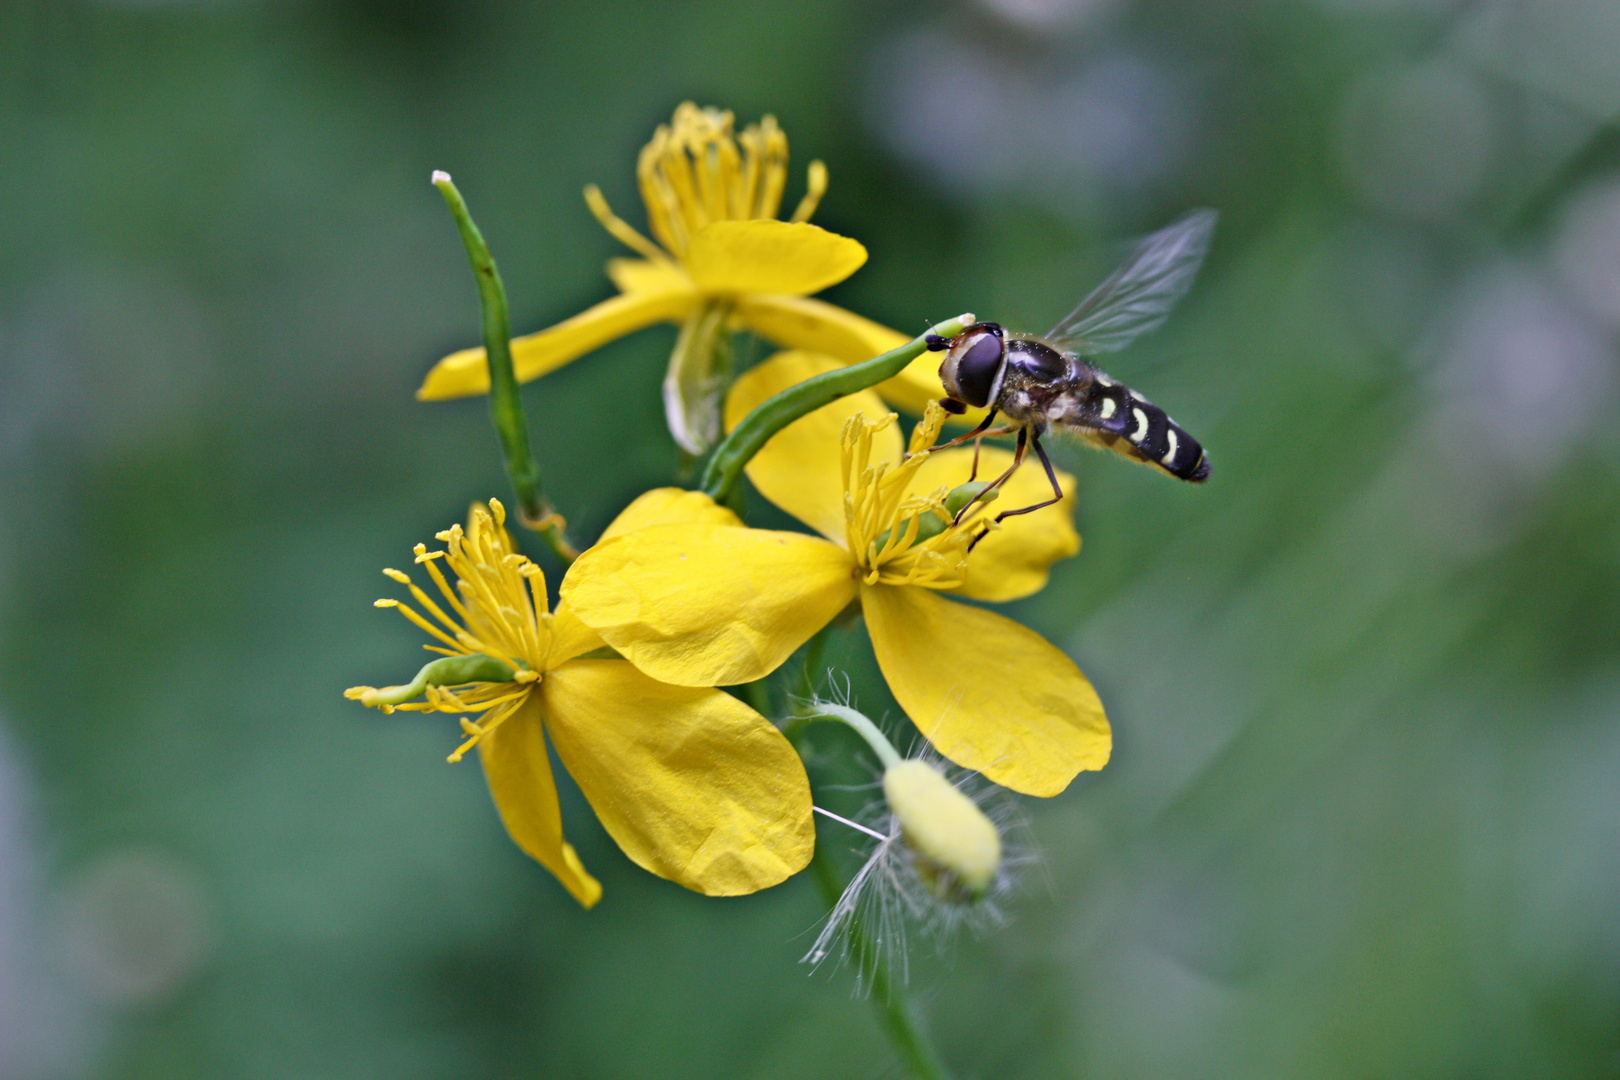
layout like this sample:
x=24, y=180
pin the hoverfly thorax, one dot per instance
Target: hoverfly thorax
x=975, y=364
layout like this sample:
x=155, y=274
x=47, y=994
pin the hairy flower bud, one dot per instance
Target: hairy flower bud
x=956, y=848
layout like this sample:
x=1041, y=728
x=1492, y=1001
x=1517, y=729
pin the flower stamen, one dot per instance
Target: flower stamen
x=422, y=598
x=899, y=538
x=817, y=187
x=421, y=623
x=619, y=229
x=477, y=732
x=495, y=659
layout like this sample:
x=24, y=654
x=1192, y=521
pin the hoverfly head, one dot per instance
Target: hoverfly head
x=974, y=364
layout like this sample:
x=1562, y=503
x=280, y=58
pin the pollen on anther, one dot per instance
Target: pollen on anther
x=397, y=575
x=386, y=603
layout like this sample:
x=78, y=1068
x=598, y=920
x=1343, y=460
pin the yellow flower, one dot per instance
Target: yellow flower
x=702, y=601
x=722, y=261
x=694, y=786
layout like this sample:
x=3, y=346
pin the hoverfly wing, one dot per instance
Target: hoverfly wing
x=1137, y=297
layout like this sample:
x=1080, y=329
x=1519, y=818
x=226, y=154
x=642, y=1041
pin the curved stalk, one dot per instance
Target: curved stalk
x=774, y=414
x=505, y=403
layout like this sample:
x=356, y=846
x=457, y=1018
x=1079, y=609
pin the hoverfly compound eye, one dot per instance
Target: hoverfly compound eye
x=979, y=354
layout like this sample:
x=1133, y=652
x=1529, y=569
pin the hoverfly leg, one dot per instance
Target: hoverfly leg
x=1018, y=459
x=989, y=418
x=1051, y=475
x=975, y=433
x=960, y=439
x=979, y=442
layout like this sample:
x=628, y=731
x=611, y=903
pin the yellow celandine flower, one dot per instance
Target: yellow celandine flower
x=721, y=261
x=705, y=601
x=693, y=785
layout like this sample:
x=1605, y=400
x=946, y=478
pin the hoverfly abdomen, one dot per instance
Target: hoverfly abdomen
x=1113, y=415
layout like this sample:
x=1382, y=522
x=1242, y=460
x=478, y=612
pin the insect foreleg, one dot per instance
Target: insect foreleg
x=975, y=433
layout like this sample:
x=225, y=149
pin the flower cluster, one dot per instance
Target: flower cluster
x=710, y=602
x=681, y=597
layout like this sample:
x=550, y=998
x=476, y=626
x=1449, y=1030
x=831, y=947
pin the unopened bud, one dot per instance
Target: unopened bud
x=957, y=850
x=963, y=494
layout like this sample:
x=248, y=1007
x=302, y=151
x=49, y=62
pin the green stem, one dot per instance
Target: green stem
x=505, y=403
x=889, y=997
x=771, y=416
x=827, y=710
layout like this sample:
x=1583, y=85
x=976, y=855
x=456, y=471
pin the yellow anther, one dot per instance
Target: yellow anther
x=926, y=433
x=386, y=603
x=397, y=575
x=817, y=187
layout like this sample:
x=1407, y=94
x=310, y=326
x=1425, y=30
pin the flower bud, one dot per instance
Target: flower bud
x=963, y=494
x=955, y=847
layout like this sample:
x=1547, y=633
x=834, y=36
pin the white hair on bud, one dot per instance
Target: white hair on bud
x=888, y=897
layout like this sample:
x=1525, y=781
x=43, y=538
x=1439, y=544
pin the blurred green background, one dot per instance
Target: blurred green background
x=1363, y=818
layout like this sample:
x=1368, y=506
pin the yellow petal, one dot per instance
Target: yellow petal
x=705, y=605
x=466, y=372
x=789, y=258
x=569, y=637
x=990, y=694
x=799, y=469
x=694, y=785
x=1015, y=560
x=798, y=322
x=519, y=775
x=648, y=276
x=669, y=506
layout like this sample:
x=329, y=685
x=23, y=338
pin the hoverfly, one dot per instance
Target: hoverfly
x=1048, y=381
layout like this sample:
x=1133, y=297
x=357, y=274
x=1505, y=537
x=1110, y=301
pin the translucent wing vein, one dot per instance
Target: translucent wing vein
x=1137, y=297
